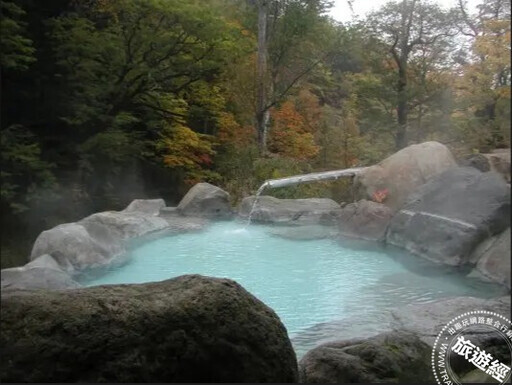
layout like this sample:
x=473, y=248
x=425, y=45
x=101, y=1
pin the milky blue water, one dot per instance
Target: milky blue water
x=321, y=289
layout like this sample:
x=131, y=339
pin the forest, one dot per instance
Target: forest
x=105, y=101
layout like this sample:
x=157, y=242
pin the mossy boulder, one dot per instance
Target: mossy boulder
x=187, y=329
x=393, y=357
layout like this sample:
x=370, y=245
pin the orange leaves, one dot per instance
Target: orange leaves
x=230, y=132
x=289, y=134
x=380, y=196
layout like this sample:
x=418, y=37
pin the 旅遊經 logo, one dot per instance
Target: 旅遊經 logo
x=474, y=347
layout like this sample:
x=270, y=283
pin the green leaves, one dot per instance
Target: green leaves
x=23, y=170
x=16, y=49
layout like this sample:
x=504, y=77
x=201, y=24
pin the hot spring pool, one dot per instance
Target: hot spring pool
x=321, y=289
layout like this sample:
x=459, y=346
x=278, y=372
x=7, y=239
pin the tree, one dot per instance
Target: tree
x=405, y=28
x=16, y=48
x=149, y=67
x=24, y=173
x=262, y=109
x=483, y=84
x=289, y=47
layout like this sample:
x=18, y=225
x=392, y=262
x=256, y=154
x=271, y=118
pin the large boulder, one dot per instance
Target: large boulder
x=290, y=211
x=74, y=248
x=393, y=179
x=187, y=329
x=493, y=259
x=42, y=273
x=98, y=240
x=446, y=218
x=394, y=357
x=365, y=220
x=207, y=201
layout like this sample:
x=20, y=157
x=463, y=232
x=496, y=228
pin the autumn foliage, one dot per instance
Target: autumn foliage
x=289, y=135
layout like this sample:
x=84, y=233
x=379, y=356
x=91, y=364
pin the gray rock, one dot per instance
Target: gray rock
x=187, y=329
x=404, y=171
x=73, y=247
x=478, y=161
x=499, y=161
x=290, y=211
x=126, y=224
x=388, y=357
x=45, y=261
x=493, y=258
x=446, y=218
x=145, y=206
x=206, y=200
x=427, y=320
x=42, y=273
x=97, y=240
x=168, y=211
x=365, y=219
x=307, y=232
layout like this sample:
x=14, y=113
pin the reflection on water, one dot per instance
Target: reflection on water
x=322, y=290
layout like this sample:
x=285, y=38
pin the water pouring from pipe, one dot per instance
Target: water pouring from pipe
x=304, y=178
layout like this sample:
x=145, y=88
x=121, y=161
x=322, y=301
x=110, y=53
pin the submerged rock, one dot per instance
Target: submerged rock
x=393, y=179
x=186, y=329
x=291, y=211
x=206, y=200
x=389, y=357
x=427, y=320
x=42, y=273
x=365, y=219
x=446, y=218
x=493, y=259
x=303, y=233
x=180, y=224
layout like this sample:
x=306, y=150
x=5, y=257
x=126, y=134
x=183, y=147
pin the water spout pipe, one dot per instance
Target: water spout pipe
x=311, y=177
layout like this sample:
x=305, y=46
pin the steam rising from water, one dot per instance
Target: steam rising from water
x=320, y=289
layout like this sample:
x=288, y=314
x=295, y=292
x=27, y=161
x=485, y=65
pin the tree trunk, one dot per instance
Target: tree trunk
x=262, y=113
x=402, y=109
x=262, y=121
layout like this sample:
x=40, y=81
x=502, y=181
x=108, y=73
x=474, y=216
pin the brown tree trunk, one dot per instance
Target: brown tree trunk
x=402, y=109
x=262, y=113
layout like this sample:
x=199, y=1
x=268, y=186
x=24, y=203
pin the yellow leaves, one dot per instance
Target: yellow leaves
x=189, y=151
x=487, y=79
